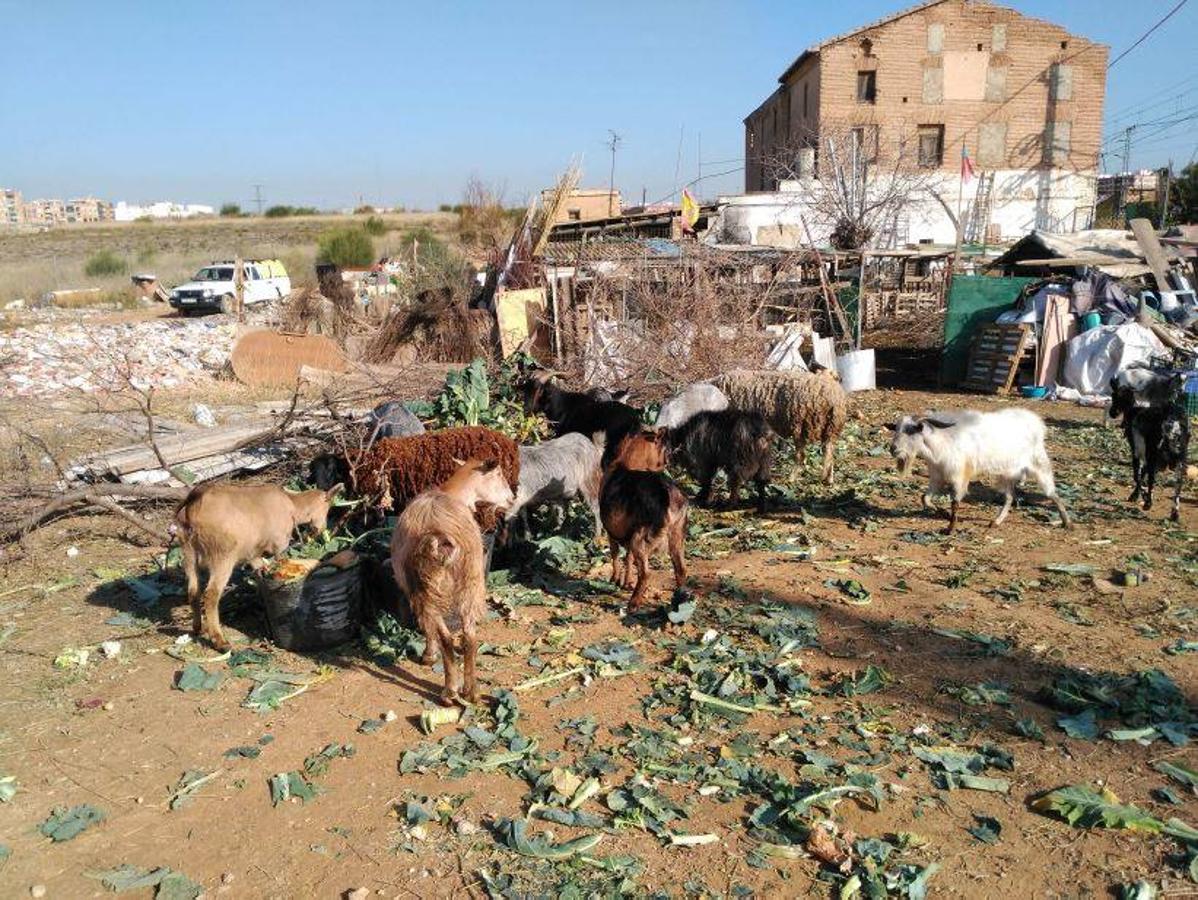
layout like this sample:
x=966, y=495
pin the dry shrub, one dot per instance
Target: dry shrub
x=438, y=324
x=678, y=321
x=483, y=223
x=330, y=310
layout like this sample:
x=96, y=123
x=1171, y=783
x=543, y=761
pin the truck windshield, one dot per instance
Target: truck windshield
x=215, y=273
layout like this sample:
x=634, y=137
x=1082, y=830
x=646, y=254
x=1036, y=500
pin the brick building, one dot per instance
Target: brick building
x=1024, y=97
x=585, y=204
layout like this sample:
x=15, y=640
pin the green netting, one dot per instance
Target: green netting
x=973, y=300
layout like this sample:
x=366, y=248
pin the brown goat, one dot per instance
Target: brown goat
x=639, y=510
x=437, y=555
x=221, y=525
x=647, y=450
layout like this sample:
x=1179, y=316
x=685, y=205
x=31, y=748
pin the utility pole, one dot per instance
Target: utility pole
x=1165, y=204
x=1123, y=183
x=612, y=143
x=258, y=197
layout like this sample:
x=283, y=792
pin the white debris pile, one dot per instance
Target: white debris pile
x=47, y=359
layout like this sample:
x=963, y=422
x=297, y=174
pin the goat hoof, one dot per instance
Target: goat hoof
x=1146, y=505
x=218, y=642
x=428, y=659
x=1174, y=516
x=450, y=698
x=1135, y=495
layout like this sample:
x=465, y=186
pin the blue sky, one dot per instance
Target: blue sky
x=400, y=103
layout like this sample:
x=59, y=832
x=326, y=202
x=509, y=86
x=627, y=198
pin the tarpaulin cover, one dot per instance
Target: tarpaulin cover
x=973, y=301
x=1096, y=356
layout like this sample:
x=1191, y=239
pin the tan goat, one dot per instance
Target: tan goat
x=221, y=525
x=437, y=555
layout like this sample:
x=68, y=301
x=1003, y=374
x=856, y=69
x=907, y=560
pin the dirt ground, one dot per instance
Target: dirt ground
x=116, y=734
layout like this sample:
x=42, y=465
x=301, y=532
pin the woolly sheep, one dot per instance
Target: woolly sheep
x=805, y=407
x=394, y=470
x=959, y=447
x=690, y=400
x=558, y=471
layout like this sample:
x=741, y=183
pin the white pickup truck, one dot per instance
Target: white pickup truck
x=212, y=287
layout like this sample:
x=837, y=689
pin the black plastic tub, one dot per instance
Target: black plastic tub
x=317, y=610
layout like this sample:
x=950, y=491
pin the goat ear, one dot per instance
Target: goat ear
x=937, y=423
x=488, y=465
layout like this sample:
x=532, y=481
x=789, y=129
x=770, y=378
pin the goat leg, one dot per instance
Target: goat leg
x=952, y=516
x=469, y=656
x=1175, y=513
x=218, y=577
x=1137, y=472
x=191, y=571
x=1149, y=479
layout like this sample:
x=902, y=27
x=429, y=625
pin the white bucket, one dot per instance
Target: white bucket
x=856, y=370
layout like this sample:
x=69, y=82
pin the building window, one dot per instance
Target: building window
x=996, y=84
x=867, y=84
x=933, y=85
x=1060, y=82
x=998, y=37
x=935, y=37
x=992, y=145
x=931, y=146
x=1056, y=143
x=574, y=215
x=865, y=143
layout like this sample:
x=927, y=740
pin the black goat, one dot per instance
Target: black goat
x=574, y=412
x=1156, y=427
x=740, y=443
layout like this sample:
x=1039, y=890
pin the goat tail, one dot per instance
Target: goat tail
x=435, y=549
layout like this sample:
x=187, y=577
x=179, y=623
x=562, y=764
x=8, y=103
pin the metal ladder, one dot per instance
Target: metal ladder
x=979, y=210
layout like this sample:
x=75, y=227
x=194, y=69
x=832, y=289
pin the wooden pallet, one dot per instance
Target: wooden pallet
x=994, y=358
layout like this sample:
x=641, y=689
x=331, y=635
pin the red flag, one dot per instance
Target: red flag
x=966, y=166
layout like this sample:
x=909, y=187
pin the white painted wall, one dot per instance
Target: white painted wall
x=1054, y=200
x=163, y=209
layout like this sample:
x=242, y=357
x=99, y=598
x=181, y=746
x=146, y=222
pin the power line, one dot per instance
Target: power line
x=1144, y=36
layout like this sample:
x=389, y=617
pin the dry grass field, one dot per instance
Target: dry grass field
x=32, y=263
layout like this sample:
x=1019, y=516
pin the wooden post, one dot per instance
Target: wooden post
x=239, y=289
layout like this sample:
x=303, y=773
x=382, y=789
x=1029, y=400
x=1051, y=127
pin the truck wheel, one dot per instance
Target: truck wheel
x=228, y=305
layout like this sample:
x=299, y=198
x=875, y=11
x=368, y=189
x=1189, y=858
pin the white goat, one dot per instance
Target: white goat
x=961, y=446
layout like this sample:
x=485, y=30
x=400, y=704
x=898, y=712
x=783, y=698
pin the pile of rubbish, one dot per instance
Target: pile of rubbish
x=48, y=359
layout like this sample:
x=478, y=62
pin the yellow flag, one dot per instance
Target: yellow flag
x=690, y=211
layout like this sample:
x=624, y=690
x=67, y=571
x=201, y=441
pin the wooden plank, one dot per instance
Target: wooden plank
x=995, y=357
x=1154, y=254
x=175, y=449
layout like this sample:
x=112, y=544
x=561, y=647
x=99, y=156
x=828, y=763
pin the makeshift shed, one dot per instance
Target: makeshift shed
x=1112, y=251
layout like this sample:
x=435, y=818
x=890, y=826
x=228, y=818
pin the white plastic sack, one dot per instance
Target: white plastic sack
x=785, y=355
x=1096, y=356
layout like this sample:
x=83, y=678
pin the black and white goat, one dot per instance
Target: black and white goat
x=1156, y=427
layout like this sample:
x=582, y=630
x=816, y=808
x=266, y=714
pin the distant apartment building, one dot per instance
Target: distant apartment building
x=12, y=208
x=163, y=209
x=89, y=209
x=45, y=213
x=1023, y=97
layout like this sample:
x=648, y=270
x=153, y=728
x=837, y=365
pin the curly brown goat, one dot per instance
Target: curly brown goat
x=392, y=472
x=437, y=557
